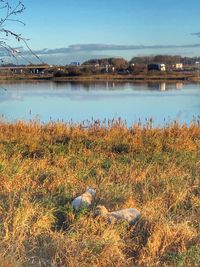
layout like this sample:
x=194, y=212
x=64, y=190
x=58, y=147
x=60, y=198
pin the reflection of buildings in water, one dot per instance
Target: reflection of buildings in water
x=110, y=85
x=154, y=86
x=163, y=87
x=179, y=85
x=157, y=86
x=88, y=85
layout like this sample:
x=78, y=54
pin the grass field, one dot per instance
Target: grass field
x=43, y=167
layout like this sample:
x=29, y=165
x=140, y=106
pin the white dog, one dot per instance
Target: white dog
x=84, y=200
x=129, y=215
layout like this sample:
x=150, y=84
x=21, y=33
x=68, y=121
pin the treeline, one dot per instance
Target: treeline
x=166, y=59
x=121, y=66
x=116, y=62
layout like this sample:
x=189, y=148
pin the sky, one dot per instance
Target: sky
x=61, y=31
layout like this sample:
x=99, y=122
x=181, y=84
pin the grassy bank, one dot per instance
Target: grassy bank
x=154, y=76
x=146, y=77
x=42, y=168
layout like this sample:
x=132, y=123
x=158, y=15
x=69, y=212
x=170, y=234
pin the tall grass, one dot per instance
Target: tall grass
x=43, y=167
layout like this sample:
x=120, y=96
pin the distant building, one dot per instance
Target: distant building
x=159, y=67
x=179, y=66
x=22, y=69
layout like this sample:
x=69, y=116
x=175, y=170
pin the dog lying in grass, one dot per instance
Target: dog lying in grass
x=130, y=215
x=84, y=200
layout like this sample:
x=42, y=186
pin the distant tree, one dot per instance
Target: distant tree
x=115, y=62
x=88, y=69
x=59, y=73
x=118, y=62
x=190, y=60
x=141, y=60
x=73, y=71
x=167, y=59
x=91, y=62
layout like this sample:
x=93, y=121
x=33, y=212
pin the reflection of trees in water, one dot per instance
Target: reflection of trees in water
x=110, y=85
x=179, y=85
x=158, y=86
x=163, y=86
x=116, y=86
x=154, y=86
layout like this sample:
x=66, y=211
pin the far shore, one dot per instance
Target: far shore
x=164, y=77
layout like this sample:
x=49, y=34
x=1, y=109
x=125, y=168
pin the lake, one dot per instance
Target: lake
x=49, y=101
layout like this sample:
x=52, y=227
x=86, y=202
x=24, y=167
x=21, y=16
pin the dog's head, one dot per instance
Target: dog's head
x=91, y=191
x=100, y=210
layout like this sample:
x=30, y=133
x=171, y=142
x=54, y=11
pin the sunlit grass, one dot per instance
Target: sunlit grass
x=156, y=170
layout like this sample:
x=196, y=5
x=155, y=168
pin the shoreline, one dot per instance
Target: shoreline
x=102, y=78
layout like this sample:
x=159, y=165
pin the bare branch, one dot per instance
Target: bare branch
x=10, y=13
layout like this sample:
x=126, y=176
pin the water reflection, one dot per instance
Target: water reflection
x=179, y=85
x=92, y=85
x=163, y=86
x=157, y=86
x=100, y=100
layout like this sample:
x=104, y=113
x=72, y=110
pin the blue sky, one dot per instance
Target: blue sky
x=142, y=26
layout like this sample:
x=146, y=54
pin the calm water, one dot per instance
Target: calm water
x=86, y=101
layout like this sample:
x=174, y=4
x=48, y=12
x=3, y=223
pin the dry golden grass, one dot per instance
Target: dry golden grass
x=43, y=167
